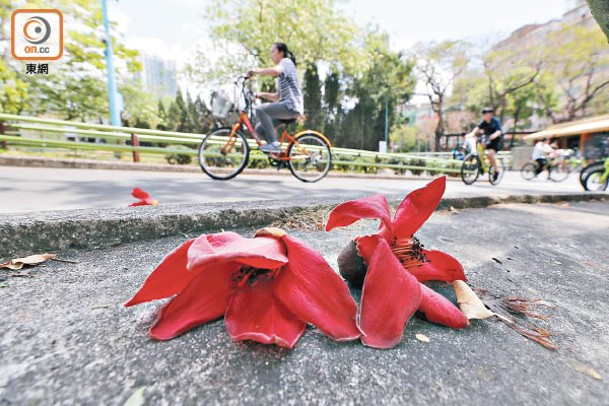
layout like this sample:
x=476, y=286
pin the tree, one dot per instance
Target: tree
x=141, y=107
x=600, y=10
x=14, y=97
x=507, y=75
x=244, y=30
x=438, y=67
x=386, y=83
x=313, y=98
x=75, y=87
x=576, y=61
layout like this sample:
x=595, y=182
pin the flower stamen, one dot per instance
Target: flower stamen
x=409, y=252
x=252, y=276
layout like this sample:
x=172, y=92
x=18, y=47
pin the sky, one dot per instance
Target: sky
x=173, y=27
x=179, y=23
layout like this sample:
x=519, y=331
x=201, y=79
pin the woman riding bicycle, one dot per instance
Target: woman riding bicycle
x=287, y=102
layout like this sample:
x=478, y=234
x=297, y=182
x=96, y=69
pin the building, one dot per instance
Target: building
x=590, y=136
x=159, y=75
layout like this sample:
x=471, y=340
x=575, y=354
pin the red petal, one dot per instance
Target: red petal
x=389, y=298
x=255, y=314
x=440, y=310
x=204, y=299
x=167, y=279
x=139, y=193
x=373, y=207
x=442, y=267
x=416, y=208
x=135, y=204
x=309, y=288
x=259, y=252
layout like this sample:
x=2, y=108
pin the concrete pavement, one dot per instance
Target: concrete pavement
x=66, y=339
x=25, y=189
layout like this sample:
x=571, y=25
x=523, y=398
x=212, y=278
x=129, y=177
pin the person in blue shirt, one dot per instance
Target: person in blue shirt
x=286, y=102
x=490, y=127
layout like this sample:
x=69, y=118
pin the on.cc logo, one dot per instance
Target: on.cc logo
x=36, y=30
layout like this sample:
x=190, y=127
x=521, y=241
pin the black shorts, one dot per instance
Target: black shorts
x=496, y=144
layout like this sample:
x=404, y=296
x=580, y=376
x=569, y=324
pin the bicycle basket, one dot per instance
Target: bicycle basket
x=221, y=105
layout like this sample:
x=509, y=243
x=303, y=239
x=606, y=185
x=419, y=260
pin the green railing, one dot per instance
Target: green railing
x=43, y=133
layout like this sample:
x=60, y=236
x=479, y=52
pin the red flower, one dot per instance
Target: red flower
x=144, y=198
x=267, y=288
x=396, y=264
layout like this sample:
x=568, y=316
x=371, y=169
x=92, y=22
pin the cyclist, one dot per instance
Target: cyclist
x=491, y=128
x=542, y=147
x=286, y=103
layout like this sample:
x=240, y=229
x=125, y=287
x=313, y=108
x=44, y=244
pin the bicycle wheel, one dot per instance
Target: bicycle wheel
x=221, y=156
x=594, y=182
x=529, y=171
x=558, y=173
x=310, y=158
x=470, y=169
x=587, y=170
x=491, y=173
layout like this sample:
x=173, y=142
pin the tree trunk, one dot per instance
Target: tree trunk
x=439, y=132
x=600, y=11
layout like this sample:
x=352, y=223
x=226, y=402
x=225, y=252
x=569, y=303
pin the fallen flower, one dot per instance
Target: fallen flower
x=267, y=288
x=18, y=263
x=390, y=265
x=144, y=198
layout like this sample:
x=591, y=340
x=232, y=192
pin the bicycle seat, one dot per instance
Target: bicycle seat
x=288, y=121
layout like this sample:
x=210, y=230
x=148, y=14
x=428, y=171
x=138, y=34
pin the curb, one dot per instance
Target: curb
x=24, y=234
x=39, y=162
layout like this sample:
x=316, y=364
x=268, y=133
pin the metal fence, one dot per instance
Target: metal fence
x=49, y=134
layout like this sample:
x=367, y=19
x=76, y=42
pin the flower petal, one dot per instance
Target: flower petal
x=373, y=207
x=259, y=252
x=440, y=310
x=139, y=193
x=309, y=288
x=256, y=314
x=416, y=208
x=389, y=298
x=167, y=279
x=204, y=299
x=442, y=267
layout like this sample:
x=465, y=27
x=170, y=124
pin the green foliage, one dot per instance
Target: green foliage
x=387, y=82
x=405, y=137
x=14, y=97
x=74, y=88
x=141, y=107
x=244, y=30
x=600, y=10
x=575, y=60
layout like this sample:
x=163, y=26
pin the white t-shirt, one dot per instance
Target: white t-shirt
x=540, y=150
x=288, y=87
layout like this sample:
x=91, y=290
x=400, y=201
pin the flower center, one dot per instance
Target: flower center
x=409, y=252
x=251, y=276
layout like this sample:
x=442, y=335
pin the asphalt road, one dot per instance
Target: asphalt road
x=25, y=189
x=66, y=339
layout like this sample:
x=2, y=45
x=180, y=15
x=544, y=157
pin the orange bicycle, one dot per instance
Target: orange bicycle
x=225, y=151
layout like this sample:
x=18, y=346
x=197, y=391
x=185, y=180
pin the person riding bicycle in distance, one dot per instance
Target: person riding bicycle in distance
x=541, y=149
x=286, y=103
x=491, y=128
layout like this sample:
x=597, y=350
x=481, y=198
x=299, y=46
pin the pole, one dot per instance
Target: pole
x=386, y=121
x=109, y=53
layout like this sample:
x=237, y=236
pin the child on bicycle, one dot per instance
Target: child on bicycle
x=286, y=103
x=491, y=128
